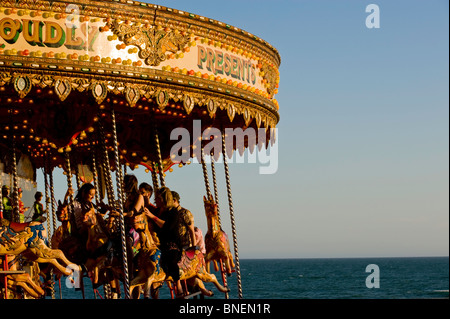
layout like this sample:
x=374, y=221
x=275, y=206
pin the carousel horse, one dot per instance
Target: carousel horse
x=25, y=281
x=216, y=240
x=102, y=261
x=65, y=240
x=27, y=239
x=151, y=274
x=148, y=269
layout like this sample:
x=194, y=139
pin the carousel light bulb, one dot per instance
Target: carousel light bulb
x=83, y=134
x=68, y=149
x=145, y=158
x=147, y=170
x=180, y=165
x=91, y=129
x=171, y=169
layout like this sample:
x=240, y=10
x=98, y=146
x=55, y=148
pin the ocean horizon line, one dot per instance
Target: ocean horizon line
x=363, y=257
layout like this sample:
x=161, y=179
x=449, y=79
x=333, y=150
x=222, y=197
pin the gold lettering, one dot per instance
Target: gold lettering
x=10, y=30
x=32, y=32
x=201, y=56
x=219, y=62
x=54, y=35
x=234, y=67
x=227, y=65
x=90, y=34
x=210, y=60
x=72, y=42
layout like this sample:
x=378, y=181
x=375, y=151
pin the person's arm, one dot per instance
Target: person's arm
x=191, y=228
x=137, y=207
x=157, y=220
x=68, y=194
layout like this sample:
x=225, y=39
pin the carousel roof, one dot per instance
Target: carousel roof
x=66, y=65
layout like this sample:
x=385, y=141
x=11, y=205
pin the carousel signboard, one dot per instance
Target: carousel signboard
x=71, y=39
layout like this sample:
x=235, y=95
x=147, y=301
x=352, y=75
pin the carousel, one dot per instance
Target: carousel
x=99, y=88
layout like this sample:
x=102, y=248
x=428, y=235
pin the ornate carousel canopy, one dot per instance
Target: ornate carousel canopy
x=65, y=65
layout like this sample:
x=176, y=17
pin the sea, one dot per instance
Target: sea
x=328, y=278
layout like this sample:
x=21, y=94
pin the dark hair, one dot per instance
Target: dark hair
x=130, y=184
x=146, y=186
x=176, y=196
x=85, y=189
x=37, y=195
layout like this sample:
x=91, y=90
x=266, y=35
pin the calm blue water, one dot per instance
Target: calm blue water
x=400, y=278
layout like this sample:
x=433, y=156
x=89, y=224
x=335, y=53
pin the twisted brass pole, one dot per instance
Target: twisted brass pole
x=233, y=221
x=119, y=206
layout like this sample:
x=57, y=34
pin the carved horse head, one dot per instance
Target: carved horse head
x=211, y=210
x=63, y=212
x=90, y=219
x=140, y=222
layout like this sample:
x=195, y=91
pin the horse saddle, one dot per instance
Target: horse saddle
x=188, y=256
x=19, y=227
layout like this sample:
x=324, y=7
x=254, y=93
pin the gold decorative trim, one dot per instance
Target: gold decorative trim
x=161, y=93
x=22, y=85
x=62, y=88
x=153, y=42
x=188, y=104
x=99, y=91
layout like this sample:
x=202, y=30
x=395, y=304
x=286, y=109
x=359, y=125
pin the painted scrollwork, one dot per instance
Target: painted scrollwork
x=271, y=77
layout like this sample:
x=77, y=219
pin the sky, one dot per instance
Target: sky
x=362, y=140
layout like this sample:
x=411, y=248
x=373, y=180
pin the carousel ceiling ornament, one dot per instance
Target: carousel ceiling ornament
x=154, y=42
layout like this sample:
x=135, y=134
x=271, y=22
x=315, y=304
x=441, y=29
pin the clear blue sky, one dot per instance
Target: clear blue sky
x=363, y=137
